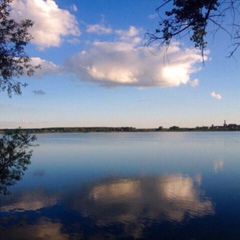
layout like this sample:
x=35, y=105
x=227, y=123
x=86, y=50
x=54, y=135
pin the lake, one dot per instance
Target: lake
x=160, y=185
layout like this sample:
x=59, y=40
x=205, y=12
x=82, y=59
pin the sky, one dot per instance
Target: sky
x=96, y=70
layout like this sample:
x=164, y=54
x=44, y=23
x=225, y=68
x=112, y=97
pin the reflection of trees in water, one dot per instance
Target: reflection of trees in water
x=15, y=155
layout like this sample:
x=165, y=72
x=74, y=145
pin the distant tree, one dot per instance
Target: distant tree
x=174, y=128
x=192, y=17
x=14, y=62
x=15, y=156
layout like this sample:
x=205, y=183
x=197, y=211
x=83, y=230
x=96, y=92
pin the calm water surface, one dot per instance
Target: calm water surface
x=127, y=186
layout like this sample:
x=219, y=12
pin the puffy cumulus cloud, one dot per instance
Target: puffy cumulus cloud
x=216, y=95
x=46, y=67
x=131, y=32
x=126, y=63
x=98, y=29
x=50, y=22
x=130, y=36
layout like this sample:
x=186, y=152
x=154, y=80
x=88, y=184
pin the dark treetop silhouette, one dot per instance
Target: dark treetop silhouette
x=14, y=62
x=196, y=19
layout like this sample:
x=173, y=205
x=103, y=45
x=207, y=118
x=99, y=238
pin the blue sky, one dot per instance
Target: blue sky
x=96, y=71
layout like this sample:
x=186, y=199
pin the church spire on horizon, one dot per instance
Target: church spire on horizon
x=225, y=123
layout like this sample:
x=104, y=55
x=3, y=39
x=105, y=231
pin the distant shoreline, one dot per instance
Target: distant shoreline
x=230, y=127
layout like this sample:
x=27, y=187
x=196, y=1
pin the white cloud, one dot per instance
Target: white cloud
x=194, y=83
x=124, y=35
x=216, y=95
x=74, y=8
x=98, y=29
x=51, y=23
x=129, y=36
x=126, y=63
x=131, y=32
x=46, y=67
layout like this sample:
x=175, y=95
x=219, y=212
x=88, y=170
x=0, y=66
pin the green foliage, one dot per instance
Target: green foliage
x=15, y=156
x=191, y=18
x=14, y=62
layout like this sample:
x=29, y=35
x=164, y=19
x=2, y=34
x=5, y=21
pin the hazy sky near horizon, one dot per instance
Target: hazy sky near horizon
x=97, y=71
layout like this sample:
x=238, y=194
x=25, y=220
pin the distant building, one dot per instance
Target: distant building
x=232, y=126
x=224, y=124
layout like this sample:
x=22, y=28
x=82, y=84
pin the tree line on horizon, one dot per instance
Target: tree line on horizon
x=229, y=127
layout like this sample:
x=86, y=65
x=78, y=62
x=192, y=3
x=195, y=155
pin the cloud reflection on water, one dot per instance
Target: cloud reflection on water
x=132, y=203
x=43, y=230
x=163, y=198
x=218, y=166
x=172, y=198
x=32, y=200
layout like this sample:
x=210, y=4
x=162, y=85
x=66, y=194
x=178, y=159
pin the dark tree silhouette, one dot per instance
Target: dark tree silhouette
x=193, y=17
x=14, y=62
x=15, y=155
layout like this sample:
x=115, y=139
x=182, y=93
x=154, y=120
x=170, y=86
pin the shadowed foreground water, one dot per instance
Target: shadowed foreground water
x=127, y=186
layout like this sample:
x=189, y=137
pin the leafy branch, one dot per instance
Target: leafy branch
x=192, y=17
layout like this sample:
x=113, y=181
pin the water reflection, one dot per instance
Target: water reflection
x=123, y=207
x=218, y=166
x=44, y=229
x=28, y=201
x=163, y=198
x=144, y=202
x=15, y=156
x=132, y=202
